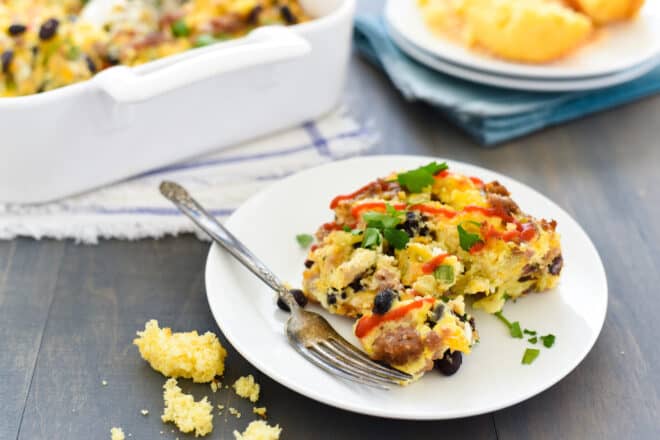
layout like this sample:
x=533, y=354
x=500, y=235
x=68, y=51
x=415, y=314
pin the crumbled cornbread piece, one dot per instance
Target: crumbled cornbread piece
x=186, y=414
x=246, y=387
x=117, y=434
x=234, y=412
x=188, y=354
x=259, y=430
x=215, y=384
x=221, y=407
x=260, y=411
x=144, y=412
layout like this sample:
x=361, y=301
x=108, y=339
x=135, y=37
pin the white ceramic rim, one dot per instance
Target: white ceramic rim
x=417, y=33
x=346, y=7
x=518, y=83
x=218, y=257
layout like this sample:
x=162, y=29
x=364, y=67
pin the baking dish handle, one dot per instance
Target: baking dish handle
x=263, y=46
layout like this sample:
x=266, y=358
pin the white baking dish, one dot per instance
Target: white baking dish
x=125, y=121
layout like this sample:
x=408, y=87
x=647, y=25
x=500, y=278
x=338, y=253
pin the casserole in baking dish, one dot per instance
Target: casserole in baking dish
x=126, y=120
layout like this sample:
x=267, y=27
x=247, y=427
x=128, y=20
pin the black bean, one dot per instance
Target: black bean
x=383, y=301
x=449, y=363
x=309, y=263
x=344, y=295
x=253, y=16
x=6, y=58
x=298, y=295
x=555, y=267
x=356, y=284
x=287, y=15
x=48, y=29
x=90, y=64
x=332, y=298
x=16, y=29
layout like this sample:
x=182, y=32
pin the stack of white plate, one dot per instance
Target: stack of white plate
x=618, y=53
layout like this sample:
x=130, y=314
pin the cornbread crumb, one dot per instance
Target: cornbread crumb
x=234, y=412
x=221, y=407
x=186, y=414
x=215, y=385
x=144, y=412
x=185, y=354
x=260, y=411
x=246, y=387
x=259, y=430
x=117, y=434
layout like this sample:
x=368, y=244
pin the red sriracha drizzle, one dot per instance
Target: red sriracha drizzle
x=433, y=263
x=368, y=323
x=381, y=183
x=380, y=206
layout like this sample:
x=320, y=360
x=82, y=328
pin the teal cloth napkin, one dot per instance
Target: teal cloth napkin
x=489, y=114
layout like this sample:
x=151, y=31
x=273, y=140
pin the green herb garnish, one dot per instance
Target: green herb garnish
x=417, y=179
x=346, y=228
x=444, y=274
x=529, y=332
x=304, y=240
x=180, y=28
x=396, y=237
x=371, y=238
x=514, y=327
x=385, y=224
x=548, y=340
x=467, y=239
x=530, y=355
x=533, y=340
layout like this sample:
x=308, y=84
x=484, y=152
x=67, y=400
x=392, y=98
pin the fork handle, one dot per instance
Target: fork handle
x=194, y=211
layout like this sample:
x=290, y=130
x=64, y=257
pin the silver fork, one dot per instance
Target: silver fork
x=309, y=333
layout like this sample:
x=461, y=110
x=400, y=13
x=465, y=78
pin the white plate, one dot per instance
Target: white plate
x=618, y=47
x=538, y=85
x=491, y=378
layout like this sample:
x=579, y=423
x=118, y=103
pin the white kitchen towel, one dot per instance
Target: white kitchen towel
x=134, y=209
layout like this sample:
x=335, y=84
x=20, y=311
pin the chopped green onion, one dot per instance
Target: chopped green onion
x=529, y=332
x=530, y=355
x=533, y=340
x=304, y=240
x=548, y=340
x=514, y=327
x=444, y=274
x=346, y=228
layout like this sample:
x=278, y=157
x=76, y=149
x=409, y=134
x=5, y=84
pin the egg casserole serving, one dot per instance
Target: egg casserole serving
x=45, y=44
x=404, y=251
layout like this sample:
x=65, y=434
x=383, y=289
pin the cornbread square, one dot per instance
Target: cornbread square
x=247, y=388
x=186, y=414
x=259, y=430
x=186, y=354
x=117, y=434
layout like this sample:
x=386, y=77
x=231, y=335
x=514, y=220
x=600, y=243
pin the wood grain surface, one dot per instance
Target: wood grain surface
x=68, y=313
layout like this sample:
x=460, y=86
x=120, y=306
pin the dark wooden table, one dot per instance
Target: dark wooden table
x=68, y=313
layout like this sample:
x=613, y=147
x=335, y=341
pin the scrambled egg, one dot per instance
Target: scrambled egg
x=247, y=388
x=45, y=45
x=534, y=31
x=186, y=414
x=117, y=434
x=188, y=355
x=607, y=11
x=415, y=332
x=403, y=252
x=259, y=430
